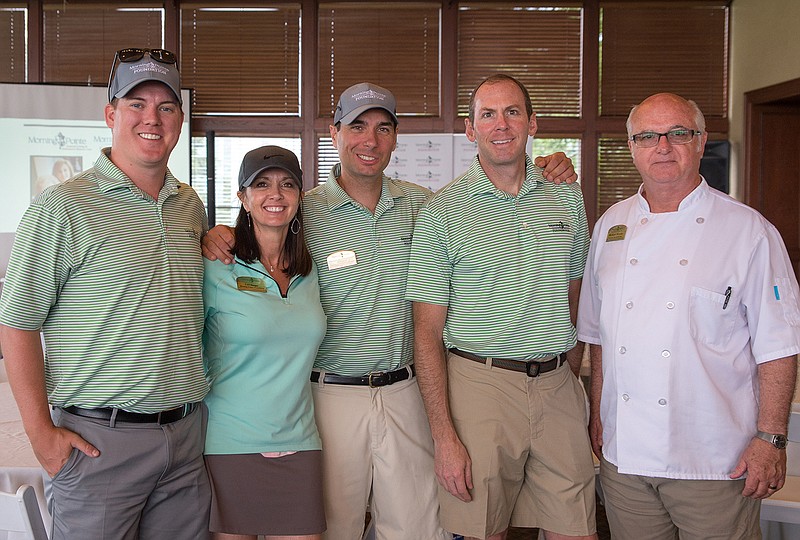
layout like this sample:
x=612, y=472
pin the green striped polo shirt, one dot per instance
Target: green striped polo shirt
x=501, y=263
x=114, y=281
x=362, y=260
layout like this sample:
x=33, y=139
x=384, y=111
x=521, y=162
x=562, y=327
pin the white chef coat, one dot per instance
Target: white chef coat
x=685, y=305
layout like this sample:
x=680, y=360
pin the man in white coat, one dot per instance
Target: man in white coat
x=690, y=306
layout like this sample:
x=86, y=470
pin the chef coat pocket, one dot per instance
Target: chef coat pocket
x=711, y=320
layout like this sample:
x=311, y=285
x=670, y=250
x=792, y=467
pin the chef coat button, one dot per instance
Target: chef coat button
x=665, y=353
x=629, y=305
x=700, y=220
x=622, y=350
x=662, y=401
x=644, y=220
x=670, y=305
x=684, y=262
x=625, y=397
x=634, y=260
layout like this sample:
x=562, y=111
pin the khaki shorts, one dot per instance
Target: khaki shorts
x=529, y=444
x=648, y=508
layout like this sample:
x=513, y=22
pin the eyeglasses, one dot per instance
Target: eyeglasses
x=649, y=139
x=161, y=56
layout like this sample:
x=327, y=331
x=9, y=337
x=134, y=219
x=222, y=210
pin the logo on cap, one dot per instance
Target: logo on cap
x=369, y=94
x=150, y=66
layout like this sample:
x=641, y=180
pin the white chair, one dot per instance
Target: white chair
x=780, y=514
x=19, y=513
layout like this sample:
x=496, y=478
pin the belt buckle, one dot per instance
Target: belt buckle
x=537, y=366
x=375, y=374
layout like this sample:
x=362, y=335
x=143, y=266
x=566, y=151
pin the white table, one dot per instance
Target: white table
x=18, y=465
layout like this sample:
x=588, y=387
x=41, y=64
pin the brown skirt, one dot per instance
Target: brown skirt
x=251, y=494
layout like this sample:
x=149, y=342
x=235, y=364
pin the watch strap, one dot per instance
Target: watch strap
x=775, y=439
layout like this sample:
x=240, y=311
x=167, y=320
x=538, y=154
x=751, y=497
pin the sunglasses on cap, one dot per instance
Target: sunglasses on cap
x=134, y=55
x=162, y=56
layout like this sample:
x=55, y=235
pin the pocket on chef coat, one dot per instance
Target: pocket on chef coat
x=711, y=320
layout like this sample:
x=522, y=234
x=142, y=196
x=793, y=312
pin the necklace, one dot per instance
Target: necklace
x=272, y=266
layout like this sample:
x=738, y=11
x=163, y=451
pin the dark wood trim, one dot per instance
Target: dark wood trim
x=449, y=69
x=776, y=92
x=754, y=101
x=590, y=100
x=308, y=92
x=35, y=41
x=172, y=26
x=248, y=126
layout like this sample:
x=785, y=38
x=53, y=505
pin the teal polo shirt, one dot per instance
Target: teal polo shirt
x=501, y=263
x=259, y=348
x=362, y=259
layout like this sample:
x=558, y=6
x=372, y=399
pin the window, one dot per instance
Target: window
x=393, y=44
x=571, y=147
x=617, y=179
x=241, y=60
x=646, y=48
x=661, y=48
x=327, y=157
x=540, y=46
x=80, y=38
x=13, y=30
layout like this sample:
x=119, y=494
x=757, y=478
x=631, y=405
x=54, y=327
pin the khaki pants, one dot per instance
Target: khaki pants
x=377, y=440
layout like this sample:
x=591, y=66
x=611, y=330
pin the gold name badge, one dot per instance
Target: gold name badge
x=254, y=284
x=617, y=232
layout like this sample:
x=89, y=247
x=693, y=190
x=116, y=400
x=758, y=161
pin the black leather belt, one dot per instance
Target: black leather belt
x=533, y=368
x=163, y=417
x=373, y=380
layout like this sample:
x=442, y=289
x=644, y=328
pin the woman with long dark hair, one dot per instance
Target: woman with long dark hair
x=263, y=325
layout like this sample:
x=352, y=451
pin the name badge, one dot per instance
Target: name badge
x=617, y=232
x=253, y=284
x=341, y=259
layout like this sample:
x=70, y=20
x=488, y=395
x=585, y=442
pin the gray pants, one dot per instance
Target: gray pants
x=148, y=483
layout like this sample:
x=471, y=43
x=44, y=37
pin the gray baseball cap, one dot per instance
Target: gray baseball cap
x=128, y=75
x=363, y=97
x=266, y=157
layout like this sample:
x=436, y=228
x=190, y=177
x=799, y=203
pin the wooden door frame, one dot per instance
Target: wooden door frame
x=754, y=102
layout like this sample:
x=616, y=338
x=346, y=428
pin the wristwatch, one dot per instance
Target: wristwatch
x=776, y=440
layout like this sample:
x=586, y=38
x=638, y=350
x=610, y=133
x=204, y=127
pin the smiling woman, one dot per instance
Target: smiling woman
x=262, y=442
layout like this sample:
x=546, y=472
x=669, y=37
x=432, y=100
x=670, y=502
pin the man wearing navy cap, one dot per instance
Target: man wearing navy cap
x=107, y=266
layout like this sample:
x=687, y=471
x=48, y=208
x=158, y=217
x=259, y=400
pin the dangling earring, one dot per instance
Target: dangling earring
x=249, y=220
x=295, y=227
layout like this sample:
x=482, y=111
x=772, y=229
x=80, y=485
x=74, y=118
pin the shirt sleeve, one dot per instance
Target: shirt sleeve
x=589, y=305
x=38, y=268
x=771, y=299
x=580, y=248
x=429, y=268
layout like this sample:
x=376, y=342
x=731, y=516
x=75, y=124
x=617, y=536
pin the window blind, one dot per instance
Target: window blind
x=241, y=59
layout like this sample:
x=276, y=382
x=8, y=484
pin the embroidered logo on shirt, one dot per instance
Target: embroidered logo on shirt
x=559, y=226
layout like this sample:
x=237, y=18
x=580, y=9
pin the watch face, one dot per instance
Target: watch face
x=779, y=441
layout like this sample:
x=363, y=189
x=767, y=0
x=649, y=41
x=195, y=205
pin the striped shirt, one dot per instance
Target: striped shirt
x=501, y=263
x=369, y=321
x=114, y=281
